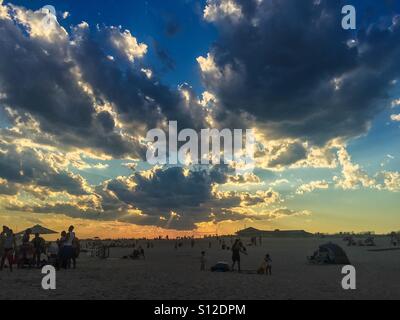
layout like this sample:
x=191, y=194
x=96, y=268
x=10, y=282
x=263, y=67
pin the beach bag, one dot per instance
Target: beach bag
x=220, y=267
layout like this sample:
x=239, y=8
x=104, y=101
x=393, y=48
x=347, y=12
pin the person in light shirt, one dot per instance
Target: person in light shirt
x=69, y=247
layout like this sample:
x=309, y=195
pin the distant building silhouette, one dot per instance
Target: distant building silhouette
x=253, y=232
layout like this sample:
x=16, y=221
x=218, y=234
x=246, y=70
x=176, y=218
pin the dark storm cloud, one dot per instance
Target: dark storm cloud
x=292, y=154
x=189, y=195
x=40, y=76
x=167, y=198
x=139, y=100
x=279, y=61
x=171, y=190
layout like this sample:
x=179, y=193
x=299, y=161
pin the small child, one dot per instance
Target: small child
x=203, y=261
x=268, y=264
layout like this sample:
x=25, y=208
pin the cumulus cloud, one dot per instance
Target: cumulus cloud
x=395, y=117
x=127, y=44
x=171, y=198
x=222, y=9
x=311, y=186
x=31, y=167
x=389, y=181
x=282, y=67
x=353, y=176
x=286, y=66
x=66, y=83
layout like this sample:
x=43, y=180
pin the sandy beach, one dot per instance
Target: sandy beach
x=174, y=274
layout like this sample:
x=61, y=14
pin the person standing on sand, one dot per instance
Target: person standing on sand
x=39, y=246
x=69, y=247
x=25, y=248
x=9, y=249
x=61, y=251
x=237, y=248
x=3, y=236
x=268, y=263
x=203, y=261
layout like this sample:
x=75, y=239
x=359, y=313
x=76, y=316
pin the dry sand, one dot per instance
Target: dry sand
x=174, y=274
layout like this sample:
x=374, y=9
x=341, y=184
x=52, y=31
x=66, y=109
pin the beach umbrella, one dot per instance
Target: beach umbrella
x=39, y=229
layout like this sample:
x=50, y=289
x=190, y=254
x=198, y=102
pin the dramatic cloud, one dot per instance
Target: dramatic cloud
x=173, y=198
x=68, y=84
x=287, y=66
x=191, y=195
x=83, y=98
x=30, y=167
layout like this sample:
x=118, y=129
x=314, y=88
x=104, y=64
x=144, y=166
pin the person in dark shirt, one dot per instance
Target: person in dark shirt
x=25, y=248
x=38, y=245
x=9, y=249
x=26, y=236
x=237, y=248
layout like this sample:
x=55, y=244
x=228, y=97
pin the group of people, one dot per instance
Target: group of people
x=35, y=252
x=68, y=250
x=237, y=249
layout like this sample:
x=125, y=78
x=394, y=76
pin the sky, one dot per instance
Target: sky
x=78, y=96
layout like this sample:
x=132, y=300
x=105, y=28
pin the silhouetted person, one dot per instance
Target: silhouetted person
x=26, y=246
x=61, y=246
x=69, y=247
x=203, y=261
x=9, y=249
x=268, y=263
x=38, y=246
x=236, y=249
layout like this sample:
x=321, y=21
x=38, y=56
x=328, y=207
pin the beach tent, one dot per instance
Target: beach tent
x=335, y=253
x=39, y=229
x=330, y=253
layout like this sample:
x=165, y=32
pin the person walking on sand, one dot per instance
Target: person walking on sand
x=9, y=249
x=203, y=261
x=237, y=248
